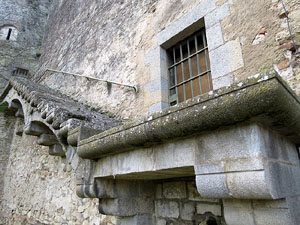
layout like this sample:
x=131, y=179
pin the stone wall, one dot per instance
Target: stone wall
x=111, y=40
x=6, y=132
x=262, y=30
x=179, y=203
x=41, y=189
x=23, y=49
x=114, y=46
x=111, y=46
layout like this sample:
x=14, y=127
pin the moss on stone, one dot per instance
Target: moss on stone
x=264, y=94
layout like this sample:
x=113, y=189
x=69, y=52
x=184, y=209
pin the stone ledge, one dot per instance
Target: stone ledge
x=263, y=98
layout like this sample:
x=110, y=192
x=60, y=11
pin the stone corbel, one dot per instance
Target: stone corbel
x=247, y=162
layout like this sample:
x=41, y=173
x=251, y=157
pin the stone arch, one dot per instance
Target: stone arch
x=35, y=126
x=8, y=32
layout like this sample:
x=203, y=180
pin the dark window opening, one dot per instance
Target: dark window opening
x=298, y=151
x=20, y=71
x=9, y=34
x=211, y=221
x=189, y=72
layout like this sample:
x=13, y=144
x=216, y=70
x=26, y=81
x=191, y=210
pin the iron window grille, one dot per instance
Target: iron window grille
x=189, y=73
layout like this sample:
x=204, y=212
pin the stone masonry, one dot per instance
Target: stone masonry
x=80, y=151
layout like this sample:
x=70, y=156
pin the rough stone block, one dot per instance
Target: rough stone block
x=159, y=84
x=161, y=222
x=203, y=208
x=158, y=107
x=187, y=20
x=34, y=129
x=156, y=59
x=168, y=209
x=56, y=150
x=272, y=217
x=237, y=212
x=212, y=186
x=217, y=15
x=47, y=140
x=248, y=184
x=187, y=211
x=194, y=195
x=135, y=220
x=289, y=177
x=226, y=59
x=158, y=193
x=214, y=36
x=223, y=81
x=276, y=204
x=238, y=142
x=174, y=190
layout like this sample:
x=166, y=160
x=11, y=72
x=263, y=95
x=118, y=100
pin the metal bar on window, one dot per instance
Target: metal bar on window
x=182, y=69
x=186, y=67
x=175, y=75
x=193, y=78
x=199, y=51
x=198, y=66
x=206, y=60
x=190, y=66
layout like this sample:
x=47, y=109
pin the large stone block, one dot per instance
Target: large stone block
x=174, y=190
x=168, y=209
x=187, y=210
x=238, y=212
x=203, y=208
x=217, y=15
x=194, y=195
x=272, y=217
x=214, y=36
x=226, y=59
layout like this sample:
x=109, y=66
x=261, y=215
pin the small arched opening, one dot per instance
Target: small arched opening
x=9, y=33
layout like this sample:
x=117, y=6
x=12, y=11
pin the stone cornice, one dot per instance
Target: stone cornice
x=55, y=107
x=263, y=98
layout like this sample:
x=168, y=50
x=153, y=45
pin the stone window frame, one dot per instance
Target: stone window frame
x=225, y=57
x=12, y=35
x=190, y=75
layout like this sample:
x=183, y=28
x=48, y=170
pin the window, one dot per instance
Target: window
x=8, y=33
x=189, y=70
x=20, y=71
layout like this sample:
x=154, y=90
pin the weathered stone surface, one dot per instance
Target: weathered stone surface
x=187, y=211
x=56, y=107
x=7, y=126
x=28, y=19
x=168, y=209
x=257, y=212
x=40, y=189
x=113, y=46
x=203, y=208
x=174, y=190
x=263, y=96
